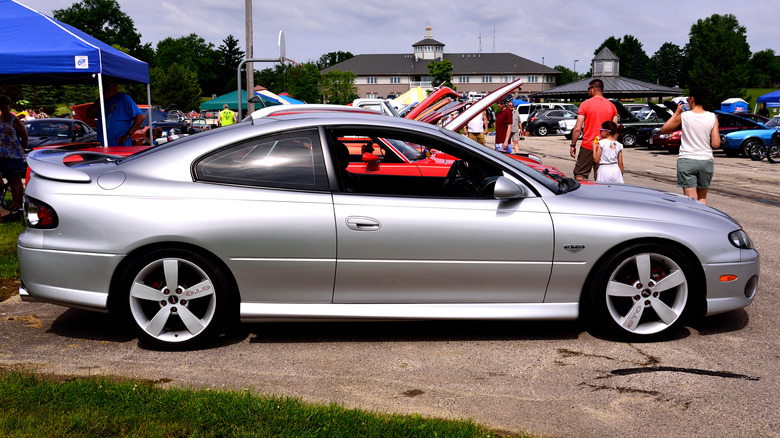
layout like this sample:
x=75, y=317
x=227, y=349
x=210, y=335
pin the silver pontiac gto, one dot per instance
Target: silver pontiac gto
x=308, y=215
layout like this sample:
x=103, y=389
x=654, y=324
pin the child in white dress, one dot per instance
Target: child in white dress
x=608, y=154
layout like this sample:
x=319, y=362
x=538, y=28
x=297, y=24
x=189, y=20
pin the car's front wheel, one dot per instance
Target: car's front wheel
x=642, y=292
x=176, y=299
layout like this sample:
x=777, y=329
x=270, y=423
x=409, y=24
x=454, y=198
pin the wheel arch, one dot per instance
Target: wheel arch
x=115, y=291
x=699, y=285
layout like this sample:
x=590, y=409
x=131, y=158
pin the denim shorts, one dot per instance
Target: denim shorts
x=694, y=173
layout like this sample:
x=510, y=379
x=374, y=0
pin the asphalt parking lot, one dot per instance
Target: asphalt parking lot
x=715, y=378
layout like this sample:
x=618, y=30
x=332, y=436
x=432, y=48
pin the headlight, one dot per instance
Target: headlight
x=740, y=239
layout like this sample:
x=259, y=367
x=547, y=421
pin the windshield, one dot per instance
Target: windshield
x=411, y=153
x=774, y=122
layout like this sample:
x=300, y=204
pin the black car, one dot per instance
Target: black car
x=544, y=122
x=167, y=123
x=44, y=132
x=636, y=131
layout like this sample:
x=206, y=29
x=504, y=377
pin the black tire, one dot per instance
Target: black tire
x=643, y=292
x=756, y=150
x=629, y=139
x=773, y=154
x=186, y=315
x=542, y=130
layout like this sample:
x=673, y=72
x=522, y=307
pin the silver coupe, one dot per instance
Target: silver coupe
x=263, y=221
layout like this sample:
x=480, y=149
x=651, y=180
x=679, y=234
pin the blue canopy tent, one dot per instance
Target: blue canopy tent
x=37, y=49
x=770, y=99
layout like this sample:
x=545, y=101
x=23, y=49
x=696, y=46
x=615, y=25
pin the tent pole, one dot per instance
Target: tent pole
x=102, y=110
x=149, y=110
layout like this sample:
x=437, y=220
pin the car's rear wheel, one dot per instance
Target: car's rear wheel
x=176, y=299
x=629, y=139
x=542, y=130
x=642, y=292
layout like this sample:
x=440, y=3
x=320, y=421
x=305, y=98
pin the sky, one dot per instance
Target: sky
x=552, y=32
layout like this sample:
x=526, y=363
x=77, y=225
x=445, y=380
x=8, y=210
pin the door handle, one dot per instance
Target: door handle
x=361, y=223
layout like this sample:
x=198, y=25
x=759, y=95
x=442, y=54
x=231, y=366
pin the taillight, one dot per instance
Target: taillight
x=38, y=214
x=532, y=120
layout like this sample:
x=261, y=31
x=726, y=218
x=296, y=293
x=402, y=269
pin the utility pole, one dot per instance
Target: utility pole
x=250, y=69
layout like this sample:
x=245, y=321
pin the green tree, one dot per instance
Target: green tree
x=303, y=82
x=567, y=75
x=104, y=20
x=229, y=56
x=193, y=54
x=175, y=85
x=273, y=78
x=332, y=58
x=666, y=65
x=718, y=56
x=764, y=69
x=338, y=87
x=441, y=73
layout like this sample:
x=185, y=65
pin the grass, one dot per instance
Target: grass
x=9, y=264
x=34, y=406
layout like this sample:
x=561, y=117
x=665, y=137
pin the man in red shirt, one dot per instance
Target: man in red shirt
x=593, y=112
x=503, y=127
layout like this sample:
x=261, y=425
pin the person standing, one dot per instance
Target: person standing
x=700, y=135
x=503, y=127
x=123, y=116
x=13, y=141
x=608, y=153
x=226, y=117
x=477, y=127
x=592, y=113
x=516, y=133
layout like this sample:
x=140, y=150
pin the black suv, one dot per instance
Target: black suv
x=544, y=122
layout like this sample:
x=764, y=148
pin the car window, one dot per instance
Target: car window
x=523, y=109
x=555, y=114
x=288, y=161
x=440, y=169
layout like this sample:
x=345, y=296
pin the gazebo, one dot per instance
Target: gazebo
x=606, y=66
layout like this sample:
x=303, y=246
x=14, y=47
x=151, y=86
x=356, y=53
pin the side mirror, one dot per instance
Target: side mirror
x=372, y=160
x=505, y=188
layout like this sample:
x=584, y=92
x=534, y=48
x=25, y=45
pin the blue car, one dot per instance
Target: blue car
x=742, y=142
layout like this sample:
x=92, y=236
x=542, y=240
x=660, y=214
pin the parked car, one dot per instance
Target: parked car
x=169, y=124
x=211, y=117
x=635, y=107
x=544, y=122
x=633, y=132
x=727, y=122
x=52, y=131
x=525, y=109
x=262, y=221
x=743, y=142
x=199, y=125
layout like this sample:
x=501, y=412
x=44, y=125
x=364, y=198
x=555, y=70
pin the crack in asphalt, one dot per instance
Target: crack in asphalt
x=642, y=370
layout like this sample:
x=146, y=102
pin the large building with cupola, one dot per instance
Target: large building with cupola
x=379, y=75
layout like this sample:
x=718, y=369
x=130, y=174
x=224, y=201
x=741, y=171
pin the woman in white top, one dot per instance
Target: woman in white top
x=608, y=153
x=700, y=135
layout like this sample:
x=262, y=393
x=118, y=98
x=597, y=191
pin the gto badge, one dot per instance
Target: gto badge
x=574, y=248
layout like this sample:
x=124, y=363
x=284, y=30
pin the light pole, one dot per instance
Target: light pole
x=575, y=66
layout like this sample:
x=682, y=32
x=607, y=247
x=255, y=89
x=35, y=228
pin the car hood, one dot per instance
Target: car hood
x=629, y=201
